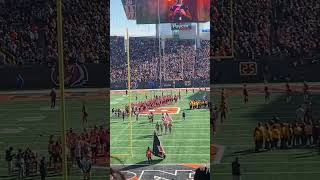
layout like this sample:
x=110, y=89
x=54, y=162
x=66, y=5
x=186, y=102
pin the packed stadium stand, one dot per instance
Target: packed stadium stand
x=28, y=68
x=179, y=59
x=221, y=28
x=265, y=28
x=28, y=31
x=281, y=36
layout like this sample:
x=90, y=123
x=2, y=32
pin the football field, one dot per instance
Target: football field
x=188, y=145
x=26, y=120
x=234, y=138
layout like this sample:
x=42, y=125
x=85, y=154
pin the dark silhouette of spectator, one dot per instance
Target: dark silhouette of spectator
x=236, y=169
x=202, y=174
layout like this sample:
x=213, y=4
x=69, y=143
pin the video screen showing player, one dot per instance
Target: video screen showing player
x=172, y=11
x=180, y=12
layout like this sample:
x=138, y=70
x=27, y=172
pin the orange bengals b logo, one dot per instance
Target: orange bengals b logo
x=75, y=75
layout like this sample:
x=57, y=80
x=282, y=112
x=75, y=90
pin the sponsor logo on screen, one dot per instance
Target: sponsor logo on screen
x=181, y=27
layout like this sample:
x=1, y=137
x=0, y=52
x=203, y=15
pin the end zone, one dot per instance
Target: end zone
x=163, y=172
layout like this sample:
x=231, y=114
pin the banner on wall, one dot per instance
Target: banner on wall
x=187, y=83
x=168, y=84
x=152, y=84
x=76, y=75
x=134, y=85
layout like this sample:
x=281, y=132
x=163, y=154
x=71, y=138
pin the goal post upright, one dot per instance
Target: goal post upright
x=232, y=28
x=61, y=85
x=129, y=90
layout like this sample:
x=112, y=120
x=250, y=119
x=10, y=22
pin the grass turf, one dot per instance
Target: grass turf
x=236, y=134
x=188, y=143
x=34, y=122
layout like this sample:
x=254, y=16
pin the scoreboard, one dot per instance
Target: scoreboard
x=248, y=68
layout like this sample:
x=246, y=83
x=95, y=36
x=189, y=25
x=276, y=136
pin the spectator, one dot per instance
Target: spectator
x=202, y=174
x=236, y=169
x=86, y=167
x=9, y=158
x=28, y=31
x=43, y=168
x=263, y=28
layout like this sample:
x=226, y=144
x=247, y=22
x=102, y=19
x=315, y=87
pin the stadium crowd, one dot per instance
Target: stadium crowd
x=220, y=28
x=179, y=59
x=89, y=145
x=28, y=32
x=263, y=28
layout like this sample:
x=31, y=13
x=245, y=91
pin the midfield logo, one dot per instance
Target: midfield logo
x=160, y=175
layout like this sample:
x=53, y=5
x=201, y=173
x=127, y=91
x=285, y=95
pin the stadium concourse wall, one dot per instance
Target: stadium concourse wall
x=35, y=77
x=164, y=84
x=272, y=69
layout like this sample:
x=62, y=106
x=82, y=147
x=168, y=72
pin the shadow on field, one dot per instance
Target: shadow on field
x=311, y=153
x=243, y=153
x=145, y=136
x=141, y=165
x=142, y=122
x=198, y=95
x=278, y=107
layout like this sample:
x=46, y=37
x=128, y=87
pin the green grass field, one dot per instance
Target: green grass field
x=188, y=143
x=29, y=122
x=236, y=135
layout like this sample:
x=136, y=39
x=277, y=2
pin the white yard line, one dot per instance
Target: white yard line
x=136, y=147
x=177, y=112
x=262, y=163
x=163, y=89
x=271, y=173
x=175, y=133
x=167, y=164
x=120, y=121
x=187, y=116
x=164, y=172
x=182, y=154
x=174, y=125
x=31, y=118
x=168, y=140
x=152, y=128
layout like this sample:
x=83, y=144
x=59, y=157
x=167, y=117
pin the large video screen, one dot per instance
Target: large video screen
x=172, y=11
x=203, y=10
